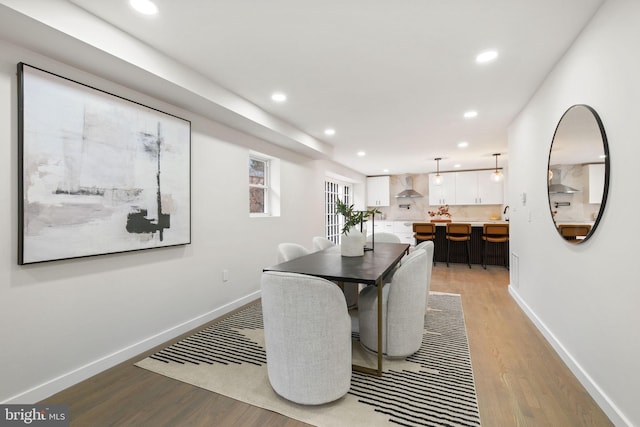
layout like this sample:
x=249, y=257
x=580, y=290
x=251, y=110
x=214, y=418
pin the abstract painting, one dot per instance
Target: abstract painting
x=99, y=174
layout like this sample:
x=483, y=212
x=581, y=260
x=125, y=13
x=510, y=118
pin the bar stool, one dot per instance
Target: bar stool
x=495, y=233
x=574, y=233
x=459, y=232
x=425, y=231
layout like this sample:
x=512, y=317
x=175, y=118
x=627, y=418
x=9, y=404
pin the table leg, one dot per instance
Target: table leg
x=365, y=369
x=380, y=327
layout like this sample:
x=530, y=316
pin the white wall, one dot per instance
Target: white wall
x=585, y=297
x=61, y=322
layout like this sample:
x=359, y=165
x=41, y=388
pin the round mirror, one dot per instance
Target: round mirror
x=578, y=173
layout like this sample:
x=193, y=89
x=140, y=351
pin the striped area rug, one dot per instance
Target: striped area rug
x=433, y=387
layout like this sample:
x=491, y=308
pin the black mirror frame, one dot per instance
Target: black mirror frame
x=607, y=167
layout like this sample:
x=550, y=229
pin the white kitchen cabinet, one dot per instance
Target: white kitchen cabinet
x=378, y=191
x=467, y=188
x=596, y=182
x=477, y=188
x=404, y=230
x=380, y=226
x=489, y=191
x=445, y=193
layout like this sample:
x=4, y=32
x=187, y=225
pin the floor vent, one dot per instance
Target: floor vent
x=514, y=270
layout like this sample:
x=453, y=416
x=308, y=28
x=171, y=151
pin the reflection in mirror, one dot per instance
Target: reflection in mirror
x=578, y=173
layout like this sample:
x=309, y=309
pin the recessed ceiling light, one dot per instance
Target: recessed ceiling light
x=457, y=165
x=470, y=114
x=146, y=7
x=486, y=56
x=279, y=97
x=385, y=170
x=463, y=144
x=361, y=153
x=329, y=131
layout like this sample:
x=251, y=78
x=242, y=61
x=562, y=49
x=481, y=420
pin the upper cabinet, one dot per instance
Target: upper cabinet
x=465, y=188
x=596, y=182
x=476, y=188
x=443, y=193
x=378, y=188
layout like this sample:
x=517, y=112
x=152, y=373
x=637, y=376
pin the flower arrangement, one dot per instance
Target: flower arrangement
x=443, y=211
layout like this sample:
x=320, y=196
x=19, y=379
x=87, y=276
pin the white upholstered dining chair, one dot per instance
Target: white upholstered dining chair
x=429, y=248
x=403, y=309
x=289, y=251
x=307, y=333
x=321, y=243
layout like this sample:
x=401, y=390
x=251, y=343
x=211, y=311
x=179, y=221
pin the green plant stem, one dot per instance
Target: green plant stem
x=353, y=217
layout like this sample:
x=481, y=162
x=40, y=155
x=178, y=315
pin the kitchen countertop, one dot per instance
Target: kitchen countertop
x=473, y=221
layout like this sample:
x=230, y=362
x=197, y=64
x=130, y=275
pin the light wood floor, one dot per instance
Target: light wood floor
x=519, y=378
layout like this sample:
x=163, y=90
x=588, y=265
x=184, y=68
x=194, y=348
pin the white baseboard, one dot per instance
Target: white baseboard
x=62, y=382
x=605, y=403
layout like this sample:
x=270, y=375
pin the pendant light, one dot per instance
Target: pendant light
x=497, y=175
x=438, y=178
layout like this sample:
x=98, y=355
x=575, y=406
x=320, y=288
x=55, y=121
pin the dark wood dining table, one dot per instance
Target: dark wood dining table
x=369, y=269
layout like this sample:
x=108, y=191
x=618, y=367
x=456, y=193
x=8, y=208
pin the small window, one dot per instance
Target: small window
x=258, y=186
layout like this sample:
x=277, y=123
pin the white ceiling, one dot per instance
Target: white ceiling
x=393, y=78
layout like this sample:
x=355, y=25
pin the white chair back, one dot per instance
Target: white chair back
x=321, y=243
x=406, y=305
x=429, y=248
x=289, y=251
x=403, y=306
x=307, y=332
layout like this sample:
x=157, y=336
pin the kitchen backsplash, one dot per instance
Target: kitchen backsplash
x=574, y=207
x=418, y=207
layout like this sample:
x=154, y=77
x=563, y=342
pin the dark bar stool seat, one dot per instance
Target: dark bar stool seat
x=424, y=231
x=495, y=233
x=459, y=232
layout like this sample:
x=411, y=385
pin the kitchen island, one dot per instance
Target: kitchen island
x=496, y=253
x=404, y=229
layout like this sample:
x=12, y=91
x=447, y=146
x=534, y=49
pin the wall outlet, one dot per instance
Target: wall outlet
x=225, y=275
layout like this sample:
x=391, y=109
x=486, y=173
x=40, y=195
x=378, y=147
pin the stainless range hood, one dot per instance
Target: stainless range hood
x=409, y=193
x=557, y=187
